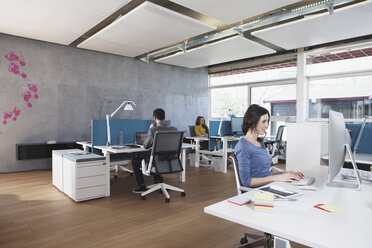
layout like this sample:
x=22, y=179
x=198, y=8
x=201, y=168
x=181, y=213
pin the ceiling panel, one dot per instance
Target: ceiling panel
x=223, y=51
x=55, y=21
x=348, y=22
x=145, y=28
x=230, y=11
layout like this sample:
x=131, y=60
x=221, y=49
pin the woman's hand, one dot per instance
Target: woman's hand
x=290, y=176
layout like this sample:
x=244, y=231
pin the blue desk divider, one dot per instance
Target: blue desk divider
x=213, y=131
x=128, y=127
x=365, y=144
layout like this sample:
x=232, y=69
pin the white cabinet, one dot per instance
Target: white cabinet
x=57, y=166
x=82, y=176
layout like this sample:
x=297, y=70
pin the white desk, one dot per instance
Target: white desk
x=107, y=150
x=362, y=158
x=314, y=227
x=85, y=144
x=225, y=140
x=197, y=148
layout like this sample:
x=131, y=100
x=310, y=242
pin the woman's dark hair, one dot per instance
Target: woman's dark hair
x=252, y=116
x=197, y=123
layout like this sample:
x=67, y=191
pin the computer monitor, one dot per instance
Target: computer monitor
x=236, y=125
x=140, y=137
x=338, y=144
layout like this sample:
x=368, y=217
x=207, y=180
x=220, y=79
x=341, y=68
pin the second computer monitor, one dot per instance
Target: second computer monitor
x=236, y=125
x=338, y=144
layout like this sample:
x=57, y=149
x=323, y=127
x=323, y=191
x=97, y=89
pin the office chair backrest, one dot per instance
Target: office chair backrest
x=166, y=152
x=192, y=131
x=279, y=133
x=239, y=186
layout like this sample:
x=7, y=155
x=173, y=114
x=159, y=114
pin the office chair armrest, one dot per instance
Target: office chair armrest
x=269, y=142
x=246, y=189
x=148, y=170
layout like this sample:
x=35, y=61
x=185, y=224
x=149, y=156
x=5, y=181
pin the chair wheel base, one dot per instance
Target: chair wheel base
x=167, y=200
x=243, y=240
x=143, y=197
x=183, y=194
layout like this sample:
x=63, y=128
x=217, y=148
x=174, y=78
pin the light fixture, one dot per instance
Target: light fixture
x=128, y=105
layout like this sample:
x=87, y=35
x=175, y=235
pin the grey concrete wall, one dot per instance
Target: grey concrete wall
x=77, y=85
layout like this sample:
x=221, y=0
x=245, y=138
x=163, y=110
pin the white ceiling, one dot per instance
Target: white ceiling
x=57, y=21
x=230, y=11
x=145, y=28
x=345, y=23
x=223, y=51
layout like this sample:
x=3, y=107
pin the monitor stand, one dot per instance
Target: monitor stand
x=356, y=172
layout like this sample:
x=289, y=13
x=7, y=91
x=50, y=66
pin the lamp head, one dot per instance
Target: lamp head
x=129, y=105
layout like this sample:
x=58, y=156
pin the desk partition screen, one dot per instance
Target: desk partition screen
x=213, y=131
x=365, y=144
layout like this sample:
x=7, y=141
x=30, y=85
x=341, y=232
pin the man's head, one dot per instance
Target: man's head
x=159, y=114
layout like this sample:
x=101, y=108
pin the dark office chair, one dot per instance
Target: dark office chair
x=275, y=147
x=164, y=159
x=192, y=131
x=258, y=240
x=239, y=186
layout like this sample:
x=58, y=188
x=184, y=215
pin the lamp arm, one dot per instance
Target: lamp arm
x=108, y=130
x=116, y=110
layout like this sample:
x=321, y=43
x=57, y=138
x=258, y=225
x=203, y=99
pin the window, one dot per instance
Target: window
x=256, y=75
x=234, y=98
x=342, y=81
x=350, y=96
x=280, y=100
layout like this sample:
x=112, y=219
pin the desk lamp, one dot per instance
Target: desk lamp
x=360, y=135
x=128, y=105
x=226, y=116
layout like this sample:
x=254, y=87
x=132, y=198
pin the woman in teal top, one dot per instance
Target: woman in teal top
x=253, y=159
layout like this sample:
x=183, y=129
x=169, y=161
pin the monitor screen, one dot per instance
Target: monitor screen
x=338, y=143
x=140, y=137
x=236, y=124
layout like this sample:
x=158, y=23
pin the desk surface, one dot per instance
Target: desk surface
x=197, y=138
x=124, y=149
x=228, y=138
x=362, y=158
x=308, y=225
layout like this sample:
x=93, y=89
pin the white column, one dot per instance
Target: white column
x=302, y=89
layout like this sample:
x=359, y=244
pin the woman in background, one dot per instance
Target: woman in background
x=253, y=158
x=201, y=130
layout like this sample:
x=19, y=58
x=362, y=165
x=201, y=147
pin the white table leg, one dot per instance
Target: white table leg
x=224, y=157
x=183, y=173
x=107, y=155
x=85, y=148
x=197, y=153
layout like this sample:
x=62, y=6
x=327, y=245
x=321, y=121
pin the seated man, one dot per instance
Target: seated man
x=161, y=125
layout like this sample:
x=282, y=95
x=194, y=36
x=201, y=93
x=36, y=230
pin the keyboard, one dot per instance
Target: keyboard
x=364, y=175
x=304, y=181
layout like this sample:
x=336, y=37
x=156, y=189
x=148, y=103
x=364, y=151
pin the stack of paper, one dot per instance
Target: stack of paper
x=239, y=200
x=263, y=202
